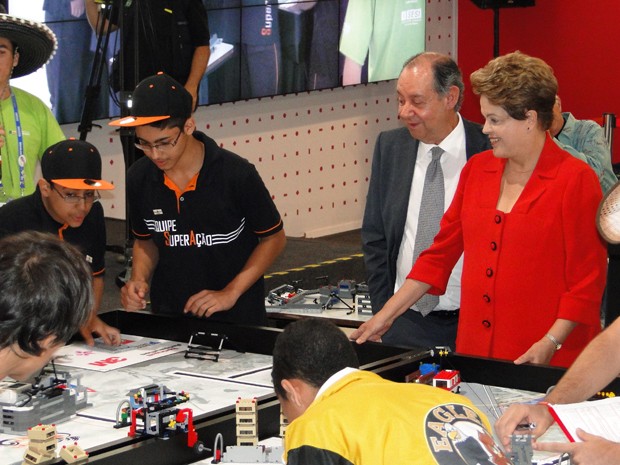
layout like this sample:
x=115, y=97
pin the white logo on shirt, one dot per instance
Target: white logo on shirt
x=412, y=15
x=192, y=238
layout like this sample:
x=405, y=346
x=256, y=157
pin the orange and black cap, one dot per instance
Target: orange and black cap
x=157, y=98
x=74, y=164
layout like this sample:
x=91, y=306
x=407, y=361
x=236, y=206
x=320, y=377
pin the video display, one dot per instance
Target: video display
x=258, y=48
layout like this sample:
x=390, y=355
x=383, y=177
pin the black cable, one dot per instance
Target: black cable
x=99, y=63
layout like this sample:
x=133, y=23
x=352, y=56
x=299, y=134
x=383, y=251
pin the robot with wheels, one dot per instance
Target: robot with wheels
x=154, y=412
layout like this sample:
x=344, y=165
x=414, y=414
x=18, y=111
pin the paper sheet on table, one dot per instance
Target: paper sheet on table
x=132, y=350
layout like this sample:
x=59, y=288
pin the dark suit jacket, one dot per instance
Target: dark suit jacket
x=387, y=202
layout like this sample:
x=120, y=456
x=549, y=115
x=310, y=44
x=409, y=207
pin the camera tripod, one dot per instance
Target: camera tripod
x=111, y=17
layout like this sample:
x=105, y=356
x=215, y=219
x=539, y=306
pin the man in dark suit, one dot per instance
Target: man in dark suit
x=430, y=94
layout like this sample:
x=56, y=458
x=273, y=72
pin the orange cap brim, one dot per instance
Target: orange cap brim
x=84, y=184
x=130, y=121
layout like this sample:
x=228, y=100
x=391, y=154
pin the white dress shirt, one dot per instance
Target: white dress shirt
x=452, y=162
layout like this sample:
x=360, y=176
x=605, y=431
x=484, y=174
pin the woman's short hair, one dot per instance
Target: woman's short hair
x=45, y=290
x=518, y=83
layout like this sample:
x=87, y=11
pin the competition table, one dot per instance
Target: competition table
x=390, y=362
x=341, y=312
x=342, y=317
x=212, y=398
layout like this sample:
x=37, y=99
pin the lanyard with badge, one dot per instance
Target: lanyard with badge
x=21, y=158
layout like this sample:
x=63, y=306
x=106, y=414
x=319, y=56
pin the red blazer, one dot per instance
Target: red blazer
x=524, y=269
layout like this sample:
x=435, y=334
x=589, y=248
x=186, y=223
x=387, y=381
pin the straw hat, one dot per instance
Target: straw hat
x=36, y=43
x=608, y=215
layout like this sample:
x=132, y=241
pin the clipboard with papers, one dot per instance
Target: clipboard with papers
x=599, y=417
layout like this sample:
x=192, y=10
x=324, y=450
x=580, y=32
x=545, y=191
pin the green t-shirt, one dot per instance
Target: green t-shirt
x=40, y=130
x=388, y=32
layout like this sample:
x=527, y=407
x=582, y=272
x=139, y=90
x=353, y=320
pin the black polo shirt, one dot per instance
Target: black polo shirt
x=29, y=214
x=205, y=234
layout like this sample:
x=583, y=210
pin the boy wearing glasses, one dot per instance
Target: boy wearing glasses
x=65, y=204
x=206, y=228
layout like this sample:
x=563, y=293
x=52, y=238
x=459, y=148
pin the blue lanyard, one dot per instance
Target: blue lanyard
x=21, y=159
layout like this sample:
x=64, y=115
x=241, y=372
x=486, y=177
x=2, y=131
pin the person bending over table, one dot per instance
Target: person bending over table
x=524, y=217
x=206, y=228
x=339, y=414
x=65, y=204
x=45, y=297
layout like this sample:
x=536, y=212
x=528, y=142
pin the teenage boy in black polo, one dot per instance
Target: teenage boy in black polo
x=205, y=225
x=65, y=204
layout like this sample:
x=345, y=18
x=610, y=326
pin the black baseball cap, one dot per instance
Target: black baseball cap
x=157, y=98
x=74, y=164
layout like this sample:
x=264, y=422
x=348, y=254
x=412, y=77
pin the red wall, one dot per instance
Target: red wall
x=579, y=39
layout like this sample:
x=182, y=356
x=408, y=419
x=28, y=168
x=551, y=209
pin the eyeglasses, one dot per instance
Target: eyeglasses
x=162, y=146
x=88, y=197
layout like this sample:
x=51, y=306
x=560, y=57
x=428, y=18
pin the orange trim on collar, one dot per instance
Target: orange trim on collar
x=191, y=186
x=61, y=231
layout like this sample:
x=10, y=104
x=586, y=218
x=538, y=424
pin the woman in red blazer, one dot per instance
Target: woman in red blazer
x=524, y=216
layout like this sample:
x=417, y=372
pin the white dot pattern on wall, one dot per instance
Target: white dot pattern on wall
x=313, y=150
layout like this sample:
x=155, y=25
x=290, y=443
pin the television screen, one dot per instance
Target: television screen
x=258, y=48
